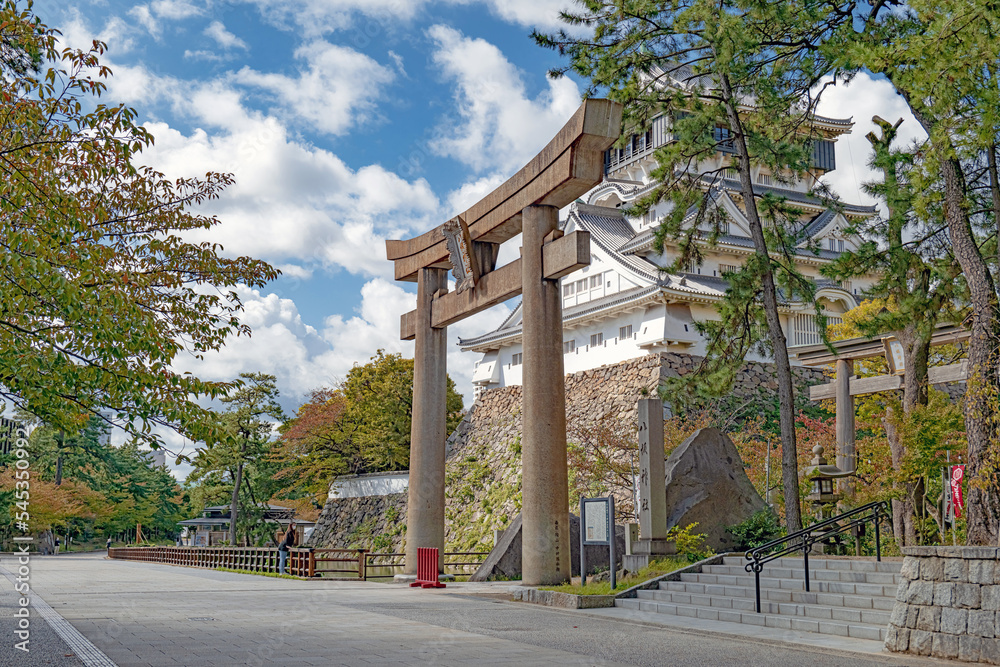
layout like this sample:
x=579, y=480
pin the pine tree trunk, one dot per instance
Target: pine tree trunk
x=769, y=297
x=983, y=518
x=991, y=163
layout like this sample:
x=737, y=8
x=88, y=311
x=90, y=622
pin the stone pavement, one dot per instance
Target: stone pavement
x=158, y=615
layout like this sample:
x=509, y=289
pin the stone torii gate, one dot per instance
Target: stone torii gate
x=529, y=202
x=847, y=385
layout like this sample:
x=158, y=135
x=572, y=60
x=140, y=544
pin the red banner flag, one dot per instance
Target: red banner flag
x=957, y=472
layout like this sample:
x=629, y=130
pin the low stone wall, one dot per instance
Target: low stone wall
x=564, y=600
x=948, y=604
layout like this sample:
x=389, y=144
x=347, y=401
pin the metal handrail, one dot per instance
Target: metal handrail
x=803, y=540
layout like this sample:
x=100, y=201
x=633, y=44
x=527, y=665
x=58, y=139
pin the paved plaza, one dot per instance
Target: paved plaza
x=158, y=615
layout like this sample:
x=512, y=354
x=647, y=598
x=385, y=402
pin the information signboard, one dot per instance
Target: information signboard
x=596, y=521
x=597, y=528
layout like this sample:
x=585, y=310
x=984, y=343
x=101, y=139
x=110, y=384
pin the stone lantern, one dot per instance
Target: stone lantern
x=823, y=475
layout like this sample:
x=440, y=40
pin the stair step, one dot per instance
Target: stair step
x=841, y=587
x=819, y=562
x=843, y=628
x=884, y=603
x=815, y=574
x=818, y=611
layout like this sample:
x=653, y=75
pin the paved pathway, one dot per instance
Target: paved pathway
x=148, y=614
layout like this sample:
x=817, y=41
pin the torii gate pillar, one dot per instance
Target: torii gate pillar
x=545, y=557
x=428, y=429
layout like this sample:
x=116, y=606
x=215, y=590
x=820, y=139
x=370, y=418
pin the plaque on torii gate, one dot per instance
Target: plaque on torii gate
x=528, y=203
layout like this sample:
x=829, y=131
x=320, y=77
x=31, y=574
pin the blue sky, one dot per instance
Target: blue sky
x=347, y=122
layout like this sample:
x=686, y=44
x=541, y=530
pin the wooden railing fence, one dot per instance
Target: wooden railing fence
x=349, y=564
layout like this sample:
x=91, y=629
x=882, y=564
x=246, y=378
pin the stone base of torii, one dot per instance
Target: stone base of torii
x=528, y=203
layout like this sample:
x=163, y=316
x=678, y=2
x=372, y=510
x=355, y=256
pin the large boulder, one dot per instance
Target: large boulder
x=706, y=484
x=504, y=561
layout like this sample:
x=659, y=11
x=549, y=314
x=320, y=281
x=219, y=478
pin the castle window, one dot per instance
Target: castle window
x=595, y=281
x=728, y=268
x=516, y=359
x=596, y=339
x=840, y=246
x=569, y=346
x=625, y=332
x=568, y=289
x=764, y=179
x=581, y=285
x=832, y=244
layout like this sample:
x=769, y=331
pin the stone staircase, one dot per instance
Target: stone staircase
x=851, y=598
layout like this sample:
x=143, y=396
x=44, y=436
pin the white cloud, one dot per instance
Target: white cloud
x=542, y=14
x=366, y=20
x=297, y=203
x=292, y=202
x=151, y=15
x=472, y=191
x=116, y=33
x=176, y=9
x=303, y=359
x=863, y=98
x=202, y=54
x=497, y=126
x=337, y=91
x=227, y=40
x=145, y=17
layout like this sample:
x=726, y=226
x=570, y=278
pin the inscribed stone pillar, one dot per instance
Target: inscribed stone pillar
x=545, y=548
x=652, y=487
x=425, y=510
x=845, y=422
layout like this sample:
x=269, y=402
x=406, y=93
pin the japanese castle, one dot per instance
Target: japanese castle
x=625, y=305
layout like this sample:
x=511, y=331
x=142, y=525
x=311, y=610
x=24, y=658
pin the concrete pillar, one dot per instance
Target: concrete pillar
x=545, y=554
x=425, y=510
x=652, y=486
x=845, y=422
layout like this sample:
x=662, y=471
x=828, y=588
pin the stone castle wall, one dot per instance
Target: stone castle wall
x=483, y=473
x=377, y=523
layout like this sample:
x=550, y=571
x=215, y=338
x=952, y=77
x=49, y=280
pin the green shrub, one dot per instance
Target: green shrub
x=762, y=527
x=690, y=545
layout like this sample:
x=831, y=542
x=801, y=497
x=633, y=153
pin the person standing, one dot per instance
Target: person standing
x=290, y=539
x=109, y=544
x=57, y=546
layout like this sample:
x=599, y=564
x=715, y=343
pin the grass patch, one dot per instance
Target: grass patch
x=275, y=575
x=654, y=569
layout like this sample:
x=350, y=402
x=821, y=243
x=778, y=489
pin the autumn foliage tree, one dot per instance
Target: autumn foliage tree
x=100, y=291
x=361, y=426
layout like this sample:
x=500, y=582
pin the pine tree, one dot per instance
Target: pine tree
x=737, y=78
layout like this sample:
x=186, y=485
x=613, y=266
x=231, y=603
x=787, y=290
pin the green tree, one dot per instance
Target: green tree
x=919, y=277
x=84, y=486
x=248, y=423
x=362, y=426
x=942, y=58
x=100, y=292
x=735, y=78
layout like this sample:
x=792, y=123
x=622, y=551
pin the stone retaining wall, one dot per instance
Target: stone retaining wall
x=377, y=523
x=948, y=604
x=483, y=474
